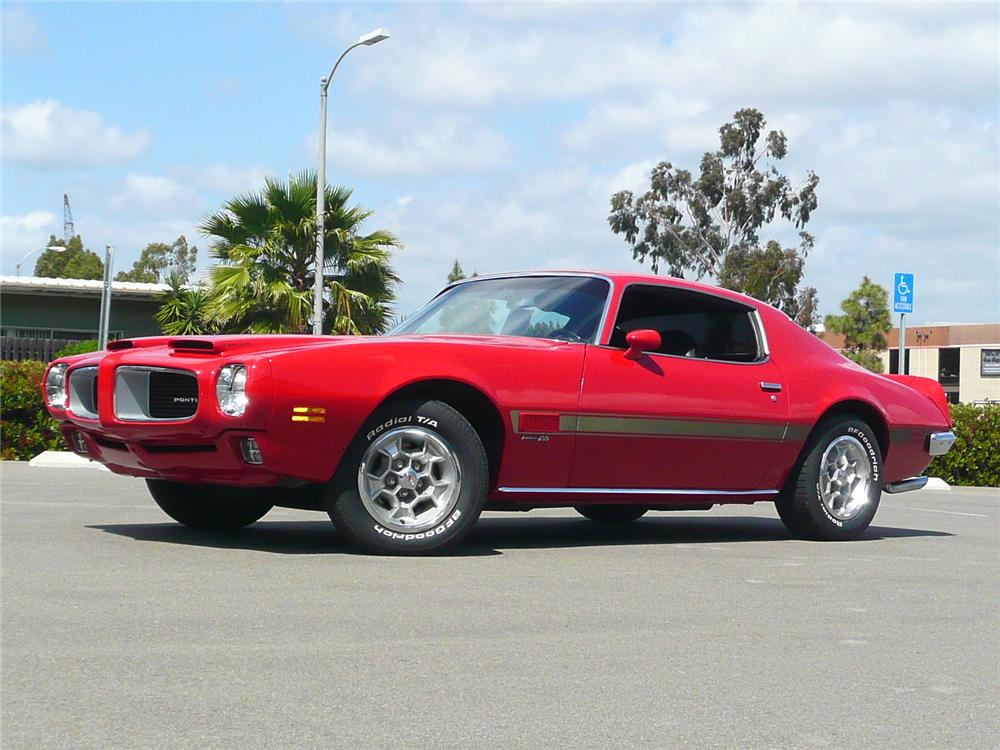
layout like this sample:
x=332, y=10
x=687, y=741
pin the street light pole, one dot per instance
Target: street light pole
x=105, y=299
x=367, y=40
x=53, y=248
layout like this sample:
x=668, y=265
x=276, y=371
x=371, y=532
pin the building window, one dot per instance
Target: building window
x=989, y=363
x=948, y=364
x=894, y=360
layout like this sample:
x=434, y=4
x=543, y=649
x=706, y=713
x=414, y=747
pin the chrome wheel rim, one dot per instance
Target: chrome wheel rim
x=845, y=478
x=409, y=479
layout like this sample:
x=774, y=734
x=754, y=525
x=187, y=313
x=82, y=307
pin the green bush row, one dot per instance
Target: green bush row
x=974, y=460
x=26, y=429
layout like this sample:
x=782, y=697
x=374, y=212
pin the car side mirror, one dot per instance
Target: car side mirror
x=642, y=340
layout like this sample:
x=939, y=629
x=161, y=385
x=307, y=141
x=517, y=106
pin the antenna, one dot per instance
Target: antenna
x=69, y=231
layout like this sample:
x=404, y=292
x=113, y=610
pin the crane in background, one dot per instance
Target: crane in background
x=69, y=231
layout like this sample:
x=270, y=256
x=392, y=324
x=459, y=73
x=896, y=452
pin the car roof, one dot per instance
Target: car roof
x=622, y=278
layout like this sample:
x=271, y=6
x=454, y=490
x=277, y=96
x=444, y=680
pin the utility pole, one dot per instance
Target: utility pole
x=367, y=40
x=105, y=299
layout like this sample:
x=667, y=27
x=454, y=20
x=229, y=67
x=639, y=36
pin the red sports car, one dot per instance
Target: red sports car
x=615, y=394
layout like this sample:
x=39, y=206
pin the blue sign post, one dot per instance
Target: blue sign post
x=902, y=302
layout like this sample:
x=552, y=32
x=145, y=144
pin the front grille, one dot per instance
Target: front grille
x=83, y=392
x=155, y=393
x=172, y=395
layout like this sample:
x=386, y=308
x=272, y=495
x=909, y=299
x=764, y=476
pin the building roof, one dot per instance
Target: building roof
x=934, y=336
x=79, y=287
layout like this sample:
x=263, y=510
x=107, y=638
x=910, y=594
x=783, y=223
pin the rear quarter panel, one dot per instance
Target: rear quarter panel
x=818, y=379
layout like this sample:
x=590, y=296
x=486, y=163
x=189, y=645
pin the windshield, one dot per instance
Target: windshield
x=566, y=308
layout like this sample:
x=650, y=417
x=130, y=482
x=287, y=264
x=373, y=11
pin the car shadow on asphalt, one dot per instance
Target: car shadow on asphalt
x=492, y=535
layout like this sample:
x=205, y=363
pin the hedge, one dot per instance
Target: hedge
x=26, y=429
x=974, y=460
x=80, y=347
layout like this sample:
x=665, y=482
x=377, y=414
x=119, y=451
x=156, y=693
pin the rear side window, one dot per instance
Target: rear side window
x=690, y=324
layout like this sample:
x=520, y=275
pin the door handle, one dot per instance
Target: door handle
x=770, y=387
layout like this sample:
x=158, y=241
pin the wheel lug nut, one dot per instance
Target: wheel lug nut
x=416, y=466
x=397, y=464
x=390, y=481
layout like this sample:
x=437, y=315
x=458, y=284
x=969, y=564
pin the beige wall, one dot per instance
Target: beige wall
x=924, y=362
x=973, y=387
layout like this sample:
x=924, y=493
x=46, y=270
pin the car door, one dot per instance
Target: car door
x=704, y=411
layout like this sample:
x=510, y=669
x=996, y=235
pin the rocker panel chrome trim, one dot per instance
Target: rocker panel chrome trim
x=628, y=491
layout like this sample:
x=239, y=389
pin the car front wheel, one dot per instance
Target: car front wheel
x=413, y=481
x=208, y=506
x=836, y=491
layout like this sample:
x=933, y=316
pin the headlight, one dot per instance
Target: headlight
x=55, y=386
x=231, y=390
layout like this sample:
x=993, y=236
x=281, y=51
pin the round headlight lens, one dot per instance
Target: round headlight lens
x=231, y=390
x=55, y=386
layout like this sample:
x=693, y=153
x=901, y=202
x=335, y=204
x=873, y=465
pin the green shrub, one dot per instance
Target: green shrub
x=974, y=460
x=80, y=347
x=26, y=429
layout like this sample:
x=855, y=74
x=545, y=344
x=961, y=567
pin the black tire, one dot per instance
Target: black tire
x=367, y=531
x=611, y=513
x=209, y=506
x=800, y=504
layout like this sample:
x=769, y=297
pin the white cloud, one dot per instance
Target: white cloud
x=767, y=54
x=154, y=196
x=48, y=134
x=224, y=178
x=443, y=145
x=21, y=32
x=22, y=233
x=680, y=123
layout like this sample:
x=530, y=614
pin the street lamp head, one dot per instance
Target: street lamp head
x=56, y=248
x=373, y=37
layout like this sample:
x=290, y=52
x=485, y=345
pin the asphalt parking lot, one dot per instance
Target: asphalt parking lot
x=122, y=629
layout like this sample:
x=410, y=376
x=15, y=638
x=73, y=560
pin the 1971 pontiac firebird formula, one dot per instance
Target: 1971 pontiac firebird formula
x=615, y=394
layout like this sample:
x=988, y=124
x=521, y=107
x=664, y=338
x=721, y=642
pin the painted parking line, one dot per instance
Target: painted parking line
x=932, y=510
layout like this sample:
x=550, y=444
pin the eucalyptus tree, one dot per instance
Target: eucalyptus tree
x=709, y=223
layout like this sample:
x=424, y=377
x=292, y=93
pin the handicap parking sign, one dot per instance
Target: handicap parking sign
x=902, y=293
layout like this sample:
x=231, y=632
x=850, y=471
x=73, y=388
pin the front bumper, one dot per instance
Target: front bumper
x=222, y=460
x=939, y=443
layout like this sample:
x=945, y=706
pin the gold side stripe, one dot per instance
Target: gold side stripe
x=308, y=410
x=603, y=424
x=306, y=418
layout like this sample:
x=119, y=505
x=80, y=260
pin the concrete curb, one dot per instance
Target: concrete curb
x=64, y=460
x=935, y=483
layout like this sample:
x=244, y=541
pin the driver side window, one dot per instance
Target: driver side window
x=691, y=324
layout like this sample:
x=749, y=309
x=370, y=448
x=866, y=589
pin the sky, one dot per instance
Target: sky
x=495, y=133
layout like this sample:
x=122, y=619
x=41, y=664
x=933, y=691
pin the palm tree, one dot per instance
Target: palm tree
x=265, y=244
x=184, y=311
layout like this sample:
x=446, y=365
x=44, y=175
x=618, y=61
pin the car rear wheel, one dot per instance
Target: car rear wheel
x=836, y=490
x=413, y=481
x=209, y=506
x=611, y=513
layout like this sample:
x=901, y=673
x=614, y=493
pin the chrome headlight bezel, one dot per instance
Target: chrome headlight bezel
x=55, y=386
x=231, y=390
